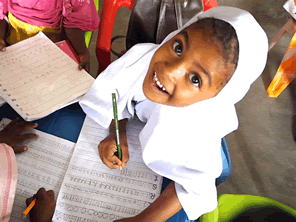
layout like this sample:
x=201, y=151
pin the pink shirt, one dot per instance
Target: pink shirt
x=8, y=181
x=80, y=14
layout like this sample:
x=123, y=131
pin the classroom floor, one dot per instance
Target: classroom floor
x=262, y=150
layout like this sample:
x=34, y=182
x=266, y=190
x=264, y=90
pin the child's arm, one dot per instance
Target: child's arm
x=108, y=146
x=3, y=33
x=12, y=134
x=44, y=208
x=164, y=207
x=77, y=39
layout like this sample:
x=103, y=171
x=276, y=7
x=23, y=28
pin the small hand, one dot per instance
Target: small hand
x=107, y=149
x=84, y=61
x=2, y=45
x=11, y=134
x=44, y=207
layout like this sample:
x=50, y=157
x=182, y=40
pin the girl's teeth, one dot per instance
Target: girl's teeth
x=155, y=79
x=159, y=84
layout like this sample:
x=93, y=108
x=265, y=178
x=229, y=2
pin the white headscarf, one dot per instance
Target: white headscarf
x=183, y=143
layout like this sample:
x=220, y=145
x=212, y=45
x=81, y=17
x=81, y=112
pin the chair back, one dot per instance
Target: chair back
x=242, y=207
x=88, y=34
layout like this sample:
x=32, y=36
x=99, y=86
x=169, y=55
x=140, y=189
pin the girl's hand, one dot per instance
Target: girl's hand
x=44, y=207
x=12, y=134
x=77, y=39
x=107, y=149
x=84, y=61
x=2, y=45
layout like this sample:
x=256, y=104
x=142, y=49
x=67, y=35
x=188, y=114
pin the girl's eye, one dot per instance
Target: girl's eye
x=178, y=48
x=195, y=80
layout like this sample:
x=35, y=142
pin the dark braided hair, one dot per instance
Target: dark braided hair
x=223, y=33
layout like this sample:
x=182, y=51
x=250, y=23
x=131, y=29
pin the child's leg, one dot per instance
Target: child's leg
x=65, y=123
x=181, y=215
x=20, y=30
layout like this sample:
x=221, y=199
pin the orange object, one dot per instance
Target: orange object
x=32, y=204
x=109, y=10
x=286, y=72
x=208, y=4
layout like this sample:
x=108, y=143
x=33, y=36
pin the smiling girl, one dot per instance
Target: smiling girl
x=185, y=90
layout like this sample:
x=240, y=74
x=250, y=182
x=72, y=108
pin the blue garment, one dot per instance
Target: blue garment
x=67, y=122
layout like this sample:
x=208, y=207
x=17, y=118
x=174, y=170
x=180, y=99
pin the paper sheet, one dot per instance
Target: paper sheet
x=37, y=77
x=2, y=101
x=44, y=164
x=291, y=8
x=93, y=192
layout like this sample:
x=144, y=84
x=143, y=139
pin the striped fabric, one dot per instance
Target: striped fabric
x=8, y=181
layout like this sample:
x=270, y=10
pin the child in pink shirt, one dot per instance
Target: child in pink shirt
x=10, y=136
x=58, y=19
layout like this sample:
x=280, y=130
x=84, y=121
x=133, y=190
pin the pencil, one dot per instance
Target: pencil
x=116, y=127
x=32, y=204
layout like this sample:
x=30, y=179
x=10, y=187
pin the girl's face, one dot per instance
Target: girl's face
x=186, y=69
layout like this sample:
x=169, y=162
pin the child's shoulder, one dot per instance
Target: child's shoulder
x=143, y=47
x=138, y=51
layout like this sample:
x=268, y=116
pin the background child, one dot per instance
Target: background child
x=58, y=19
x=185, y=89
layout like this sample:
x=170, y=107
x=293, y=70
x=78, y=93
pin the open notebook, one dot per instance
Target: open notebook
x=38, y=78
x=85, y=188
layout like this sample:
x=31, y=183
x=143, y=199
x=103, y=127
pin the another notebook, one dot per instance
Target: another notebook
x=68, y=49
x=85, y=188
x=38, y=78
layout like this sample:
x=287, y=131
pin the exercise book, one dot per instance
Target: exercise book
x=67, y=48
x=38, y=78
x=85, y=188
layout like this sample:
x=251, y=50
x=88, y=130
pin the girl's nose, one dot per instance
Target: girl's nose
x=174, y=70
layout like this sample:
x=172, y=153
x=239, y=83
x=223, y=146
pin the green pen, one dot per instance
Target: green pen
x=116, y=126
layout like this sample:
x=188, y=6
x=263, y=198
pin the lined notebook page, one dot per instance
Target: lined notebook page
x=44, y=164
x=93, y=192
x=37, y=77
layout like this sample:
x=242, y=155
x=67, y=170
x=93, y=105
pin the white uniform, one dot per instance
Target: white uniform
x=182, y=143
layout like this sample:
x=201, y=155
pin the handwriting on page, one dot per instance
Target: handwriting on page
x=44, y=164
x=37, y=77
x=93, y=192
